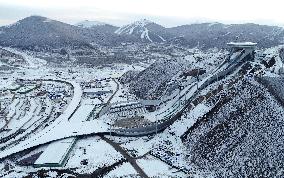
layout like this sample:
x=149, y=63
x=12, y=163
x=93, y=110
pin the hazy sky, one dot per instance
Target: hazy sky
x=166, y=12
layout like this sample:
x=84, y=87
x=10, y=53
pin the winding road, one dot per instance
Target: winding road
x=63, y=128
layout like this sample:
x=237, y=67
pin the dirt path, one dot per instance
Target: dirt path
x=131, y=160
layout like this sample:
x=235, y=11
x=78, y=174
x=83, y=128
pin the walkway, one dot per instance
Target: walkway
x=131, y=160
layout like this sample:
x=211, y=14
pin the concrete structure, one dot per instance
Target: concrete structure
x=56, y=153
x=151, y=105
x=242, y=44
x=236, y=46
x=240, y=49
x=93, y=92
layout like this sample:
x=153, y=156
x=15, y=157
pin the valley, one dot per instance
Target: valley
x=141, y=100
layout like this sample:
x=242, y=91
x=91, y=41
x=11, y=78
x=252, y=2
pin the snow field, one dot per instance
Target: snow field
x=90, y=149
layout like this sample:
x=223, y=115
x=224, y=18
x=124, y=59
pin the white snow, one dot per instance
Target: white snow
x=54, y=131
x=55, y=152
x=156, y=168
x=96, y=151
x=162, y=38
x=89, y=23
x=128, y=29
x=17, y=123
x=4, y=84
x=47, y=20
x=32, y=61
x=242, y=44
x=12, y=108
x=124, y=170
x=131, y=30
x=82, y=112
x=145, y=35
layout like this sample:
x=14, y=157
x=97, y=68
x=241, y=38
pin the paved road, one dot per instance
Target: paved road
x=109, y=100
x=131, y=160
x=52, y=134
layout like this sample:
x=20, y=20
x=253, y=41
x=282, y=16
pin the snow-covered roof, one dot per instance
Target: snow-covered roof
x=151, y=102
x=55, y=152
x=124, y=103
x=242, y=44
x=94, y=90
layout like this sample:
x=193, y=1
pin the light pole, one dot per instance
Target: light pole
x=197, y=77
x=185, y=97
x=179, y=95
x=109, y=129
x=197, y=84
x=217, y=77
x=156, y=125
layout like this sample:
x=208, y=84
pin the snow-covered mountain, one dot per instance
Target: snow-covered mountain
x=144, y=29
x=41, y=31
x=37, y=31
x=210, y=35
x=97, y=26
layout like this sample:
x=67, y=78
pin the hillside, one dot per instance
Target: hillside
x=146, y=30
x=244, y=136
x=165, y=74
x=36, y=31
x=210, y=35
x=100, y=27
x=40, y=32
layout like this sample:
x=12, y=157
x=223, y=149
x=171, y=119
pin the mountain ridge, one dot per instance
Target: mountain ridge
x=42, y=31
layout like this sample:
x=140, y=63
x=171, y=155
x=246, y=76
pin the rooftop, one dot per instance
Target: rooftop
x=242, y=44
x=55, y=152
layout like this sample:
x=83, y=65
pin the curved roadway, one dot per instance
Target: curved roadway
x=62, y=128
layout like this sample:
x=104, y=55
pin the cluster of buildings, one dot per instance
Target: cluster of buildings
x=133, y=108
x=96, y=88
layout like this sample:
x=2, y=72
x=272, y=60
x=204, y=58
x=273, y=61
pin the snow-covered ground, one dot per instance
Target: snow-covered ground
x=160, y=155
x=32, y=61
x=124, y=170
x=161, y=170
x=55, y=152
x=6, y=84
x=82, y=112
x=95, y=151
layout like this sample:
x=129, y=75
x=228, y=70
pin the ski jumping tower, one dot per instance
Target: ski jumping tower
x=237, y=46
x=241, y=49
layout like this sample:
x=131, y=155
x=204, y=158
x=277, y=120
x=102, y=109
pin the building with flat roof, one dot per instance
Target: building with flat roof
x=56, y=153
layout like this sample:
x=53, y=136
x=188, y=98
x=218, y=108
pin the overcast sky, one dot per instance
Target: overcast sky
x=165, y=12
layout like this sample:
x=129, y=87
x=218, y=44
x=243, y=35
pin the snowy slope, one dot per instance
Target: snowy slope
x=31, y=61
x=243, y=138
x=144, y=29
x=97, y=26
x=37, y=32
